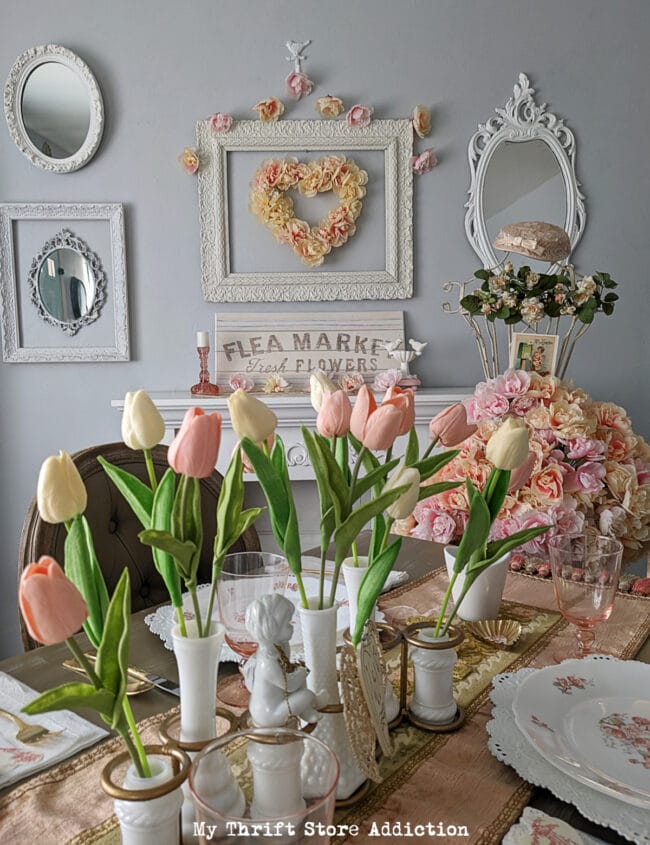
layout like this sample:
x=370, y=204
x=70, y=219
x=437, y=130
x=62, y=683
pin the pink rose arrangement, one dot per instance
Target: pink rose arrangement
x=298, y=85
x=220, y=122
x=359, y=116
x=586, y=467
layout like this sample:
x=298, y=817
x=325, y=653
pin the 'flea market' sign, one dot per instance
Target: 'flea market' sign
x=293, y=345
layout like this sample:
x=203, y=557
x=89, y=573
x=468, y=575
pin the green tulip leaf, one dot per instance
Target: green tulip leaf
x=375, y=476
x=68, y=696
x=82, y=569
x=371, y=586
x=477, y=528
x=136, y=493
x=498, y=548
x=271, y=484
x=332, y=489
x=349, y=530
x=161, y=521
x=412, y=449
x=342, y=458
x=440, y=487
x=112, y=660
x=434, y=463
x=182, y=553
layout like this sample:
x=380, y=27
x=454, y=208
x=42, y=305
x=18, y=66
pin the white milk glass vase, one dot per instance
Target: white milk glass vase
x=483, y=599
x=433, y=689
x=149, y=808
x=352, y=577
x=319, y=640
x=198, y=661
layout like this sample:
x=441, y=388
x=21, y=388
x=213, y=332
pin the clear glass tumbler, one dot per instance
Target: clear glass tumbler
x=585, y=569
x=264, y=785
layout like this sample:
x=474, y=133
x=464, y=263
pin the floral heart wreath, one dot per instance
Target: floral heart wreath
x=273, y=208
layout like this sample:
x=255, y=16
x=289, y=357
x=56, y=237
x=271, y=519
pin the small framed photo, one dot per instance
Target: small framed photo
x=535, y=353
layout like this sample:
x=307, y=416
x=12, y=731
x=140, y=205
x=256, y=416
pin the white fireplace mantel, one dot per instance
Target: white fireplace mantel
x=292, y=410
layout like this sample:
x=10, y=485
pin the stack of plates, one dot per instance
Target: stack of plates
x=582, y=730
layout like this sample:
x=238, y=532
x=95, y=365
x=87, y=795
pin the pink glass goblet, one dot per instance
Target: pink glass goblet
x=585, y=571
x=245, y=576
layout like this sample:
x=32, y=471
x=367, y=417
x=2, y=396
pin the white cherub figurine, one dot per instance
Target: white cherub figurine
x=278, y=687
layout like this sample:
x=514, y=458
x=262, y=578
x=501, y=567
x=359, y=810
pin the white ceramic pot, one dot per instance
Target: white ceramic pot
x=483, y=598
x=198, y=662
x=352, y=576
x=433, y=692
x=319, y=640
x=155, y=821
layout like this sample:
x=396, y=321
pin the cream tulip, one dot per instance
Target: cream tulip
x=250, y=417
x=60, y=494
x=142, y=425
x=319, y=383
x=404, y=506
x=508, y=446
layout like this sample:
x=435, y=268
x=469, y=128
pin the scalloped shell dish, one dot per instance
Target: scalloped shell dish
x=500, y=633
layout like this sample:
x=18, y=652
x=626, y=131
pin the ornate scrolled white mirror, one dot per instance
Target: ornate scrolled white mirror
x=522, y=164
x=54, y=108
x=67, y=283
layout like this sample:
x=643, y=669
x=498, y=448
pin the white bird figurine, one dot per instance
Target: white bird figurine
x=417, y=347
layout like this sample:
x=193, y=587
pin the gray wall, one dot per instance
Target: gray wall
x=162, y=65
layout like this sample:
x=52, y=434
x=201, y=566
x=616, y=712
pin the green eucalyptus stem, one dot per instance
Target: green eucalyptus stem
x=139, y=747
x=181, y=621
x=83, y=661
x=321, y=582
x=430, y=448
x=197, y=609
x=445, y=602
x=150, y=470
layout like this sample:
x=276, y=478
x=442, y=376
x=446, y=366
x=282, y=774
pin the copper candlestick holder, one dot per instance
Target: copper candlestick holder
x=204, y=386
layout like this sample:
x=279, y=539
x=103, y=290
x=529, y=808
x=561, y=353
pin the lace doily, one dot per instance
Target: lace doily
x=509, y=745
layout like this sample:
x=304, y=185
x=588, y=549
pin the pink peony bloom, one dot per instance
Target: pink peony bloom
x=220, y=122
x=584, y=447
x=587, y=478
x=435, y=527
x=359, y=116
x=241, y=382
x=424, y=162
x=505, y=527
x=386, y=379
x=536, y=546
x=487, y=405
x=513, y=383
x=567, y=519
x=298, y=85
x=521, y=405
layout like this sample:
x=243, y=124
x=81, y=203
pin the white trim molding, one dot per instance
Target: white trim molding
x=520, y=120
x=392, y=137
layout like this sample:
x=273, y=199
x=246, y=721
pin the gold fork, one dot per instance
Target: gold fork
x=28, y=733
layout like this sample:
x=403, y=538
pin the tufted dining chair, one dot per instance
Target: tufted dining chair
x=115, y=528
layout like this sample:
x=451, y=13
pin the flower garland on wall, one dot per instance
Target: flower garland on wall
x=586, y=467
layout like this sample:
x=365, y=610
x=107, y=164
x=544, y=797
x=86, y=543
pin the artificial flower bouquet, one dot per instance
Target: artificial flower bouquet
x=585, y=468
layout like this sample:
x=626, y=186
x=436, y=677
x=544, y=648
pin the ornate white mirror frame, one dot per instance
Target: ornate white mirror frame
x=521, y=119
x=23, y=67
x=393, y=138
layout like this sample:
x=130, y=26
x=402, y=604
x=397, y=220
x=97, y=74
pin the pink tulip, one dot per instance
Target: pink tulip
x=196, y=446
x=364, y=406
x=519, y=476
x=383, y=427
x=450, y=426
x=51, y=605
x=334, y=415
x=403, y=400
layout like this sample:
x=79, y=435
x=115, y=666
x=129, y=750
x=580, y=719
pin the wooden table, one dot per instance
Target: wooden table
x=42, y=669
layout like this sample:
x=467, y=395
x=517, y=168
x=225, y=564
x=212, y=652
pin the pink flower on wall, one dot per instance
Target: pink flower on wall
x=189, y=160
x=424, y=162
x=329, y=106
x=298, y=85
x=269, y=110
x=359, y=116
x=220, y=122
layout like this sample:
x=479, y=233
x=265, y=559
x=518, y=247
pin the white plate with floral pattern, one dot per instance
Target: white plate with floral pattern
x=591, y=719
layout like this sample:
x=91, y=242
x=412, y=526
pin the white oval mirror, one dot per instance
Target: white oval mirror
x=523, y=169
x=54, y=109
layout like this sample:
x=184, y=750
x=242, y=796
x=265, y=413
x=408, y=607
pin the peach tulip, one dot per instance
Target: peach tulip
x=196, y=446
x=450, y=426
x=383, y=427
x=364, y=407
x=334, y=416
x=402, y=399
x=51, y=605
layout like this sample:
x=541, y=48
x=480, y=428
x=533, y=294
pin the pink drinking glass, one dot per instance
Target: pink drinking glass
x=585, y=570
